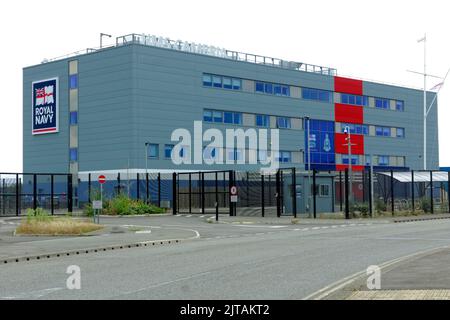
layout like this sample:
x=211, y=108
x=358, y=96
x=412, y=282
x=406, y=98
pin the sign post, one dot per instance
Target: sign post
x=99, y=205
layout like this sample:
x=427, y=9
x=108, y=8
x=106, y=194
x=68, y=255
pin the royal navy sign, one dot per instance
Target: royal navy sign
x=45, y=106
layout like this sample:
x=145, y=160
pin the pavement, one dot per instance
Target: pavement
x=235, y=259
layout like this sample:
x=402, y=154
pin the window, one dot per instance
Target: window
x=73, y=81
x=207, y=80
x=153, y=150
x=285, y=157
x=262, y=120
x=232, y=117
x=354, y=99
x=268, y=88
x=283, y=122
x=168, y=151
x=217, y=82
x=259, y=87
x=383, y=160
x=237, y=118
x=400, y=133
x=237, y=83
x=73, y=154
x=316, y=94
x=382, y=131
x=207, y=116
x=399, y=105
x=217, y=116
x=367, y=160
x=324, y=190
x=355, y=159
x=382, y=103
x=227, y=83
x=73, y=118
x=386, y=131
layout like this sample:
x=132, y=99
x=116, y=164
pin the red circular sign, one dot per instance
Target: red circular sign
x=101, y=179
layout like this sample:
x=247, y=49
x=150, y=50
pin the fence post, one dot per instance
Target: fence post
x=340, y=190
x=230, y=184
x=248, y=189
x=314, y=194
x=89, y=188
x=18, y=197
x=203, y=192
x=174, y=193
x=52, y=191
x=392, y=193
x=159, y=189
x=431, y=191
x=412, y=191
x=70, y=193
x=217, y=198
x=146, y=188
x=448, y=191
x=190, y=192
x=294, y=192
x=262, y=195
x=118, y=183
x=34, y=191
x=138, y=188
x=370, y=192
x=347, y=207
x=278, y=182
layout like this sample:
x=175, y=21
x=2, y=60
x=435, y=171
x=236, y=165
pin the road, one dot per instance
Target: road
x=227, y=261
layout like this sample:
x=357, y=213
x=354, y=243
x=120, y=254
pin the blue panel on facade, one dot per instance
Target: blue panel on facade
x=321, y=143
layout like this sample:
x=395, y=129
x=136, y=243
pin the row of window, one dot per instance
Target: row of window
x=213, y=153
x=228, y=117
x=380, y=131
x=217, y=81
x=272, y=88
x=380, y=160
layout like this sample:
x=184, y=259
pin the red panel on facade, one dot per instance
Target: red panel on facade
x=340, y=144
x=345, y=113
x=342, y=167
x=346, y=85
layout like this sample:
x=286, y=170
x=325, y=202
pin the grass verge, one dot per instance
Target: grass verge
x=56, y=226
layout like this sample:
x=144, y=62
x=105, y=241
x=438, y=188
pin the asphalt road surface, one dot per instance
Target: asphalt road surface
x=227, y=261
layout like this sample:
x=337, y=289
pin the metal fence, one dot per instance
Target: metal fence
x=22, y=191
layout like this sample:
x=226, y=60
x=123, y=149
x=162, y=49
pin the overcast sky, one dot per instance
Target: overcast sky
x=374, y=40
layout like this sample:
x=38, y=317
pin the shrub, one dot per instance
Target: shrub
x=380, y=206
x=425, y=205
x=122, y=205
x=361, y=209
x=38, y=215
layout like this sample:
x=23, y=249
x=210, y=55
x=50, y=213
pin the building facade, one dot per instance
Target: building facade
x=116, y=108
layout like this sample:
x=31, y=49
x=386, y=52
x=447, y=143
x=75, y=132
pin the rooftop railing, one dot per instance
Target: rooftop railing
x=154, y=41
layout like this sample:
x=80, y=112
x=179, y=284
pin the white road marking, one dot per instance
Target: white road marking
x=252, y=226
x=201, y=216
x=315, y=228
x=188, y=216
x=144, y=232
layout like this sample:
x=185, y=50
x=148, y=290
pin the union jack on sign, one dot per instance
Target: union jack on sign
x=44, y=96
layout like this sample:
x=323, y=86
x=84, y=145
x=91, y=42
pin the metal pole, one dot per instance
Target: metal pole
x=392, y=193
x=52, y=191
x=314, y=195
x=340, y=191
x=18, y=196
x=248, y=189
x=448, y=192
x=371, y=192
x=118, y=183
x=217, y=198
x=413, y=191
x=159, y=189
x=431, y=191
x=309, y=165
x=350, y=172
x=70, y=193
x=278, y=193
x=203, y=192
x=138, y=187
x=34, y=191
x=425, y=102
x=146, y=188
x=3, y=197
x=294, y=192
x=190, y=193
x=174, y=193
x=230, y=184
x=89, y=188
x=262, y=195
x=347, y=207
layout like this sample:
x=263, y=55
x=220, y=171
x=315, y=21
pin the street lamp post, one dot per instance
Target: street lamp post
x=146, y=166
x=101, y=38
x=349, y=145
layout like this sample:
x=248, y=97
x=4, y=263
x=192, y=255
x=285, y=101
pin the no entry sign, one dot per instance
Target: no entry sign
x=101, y=179
x=233, y=194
